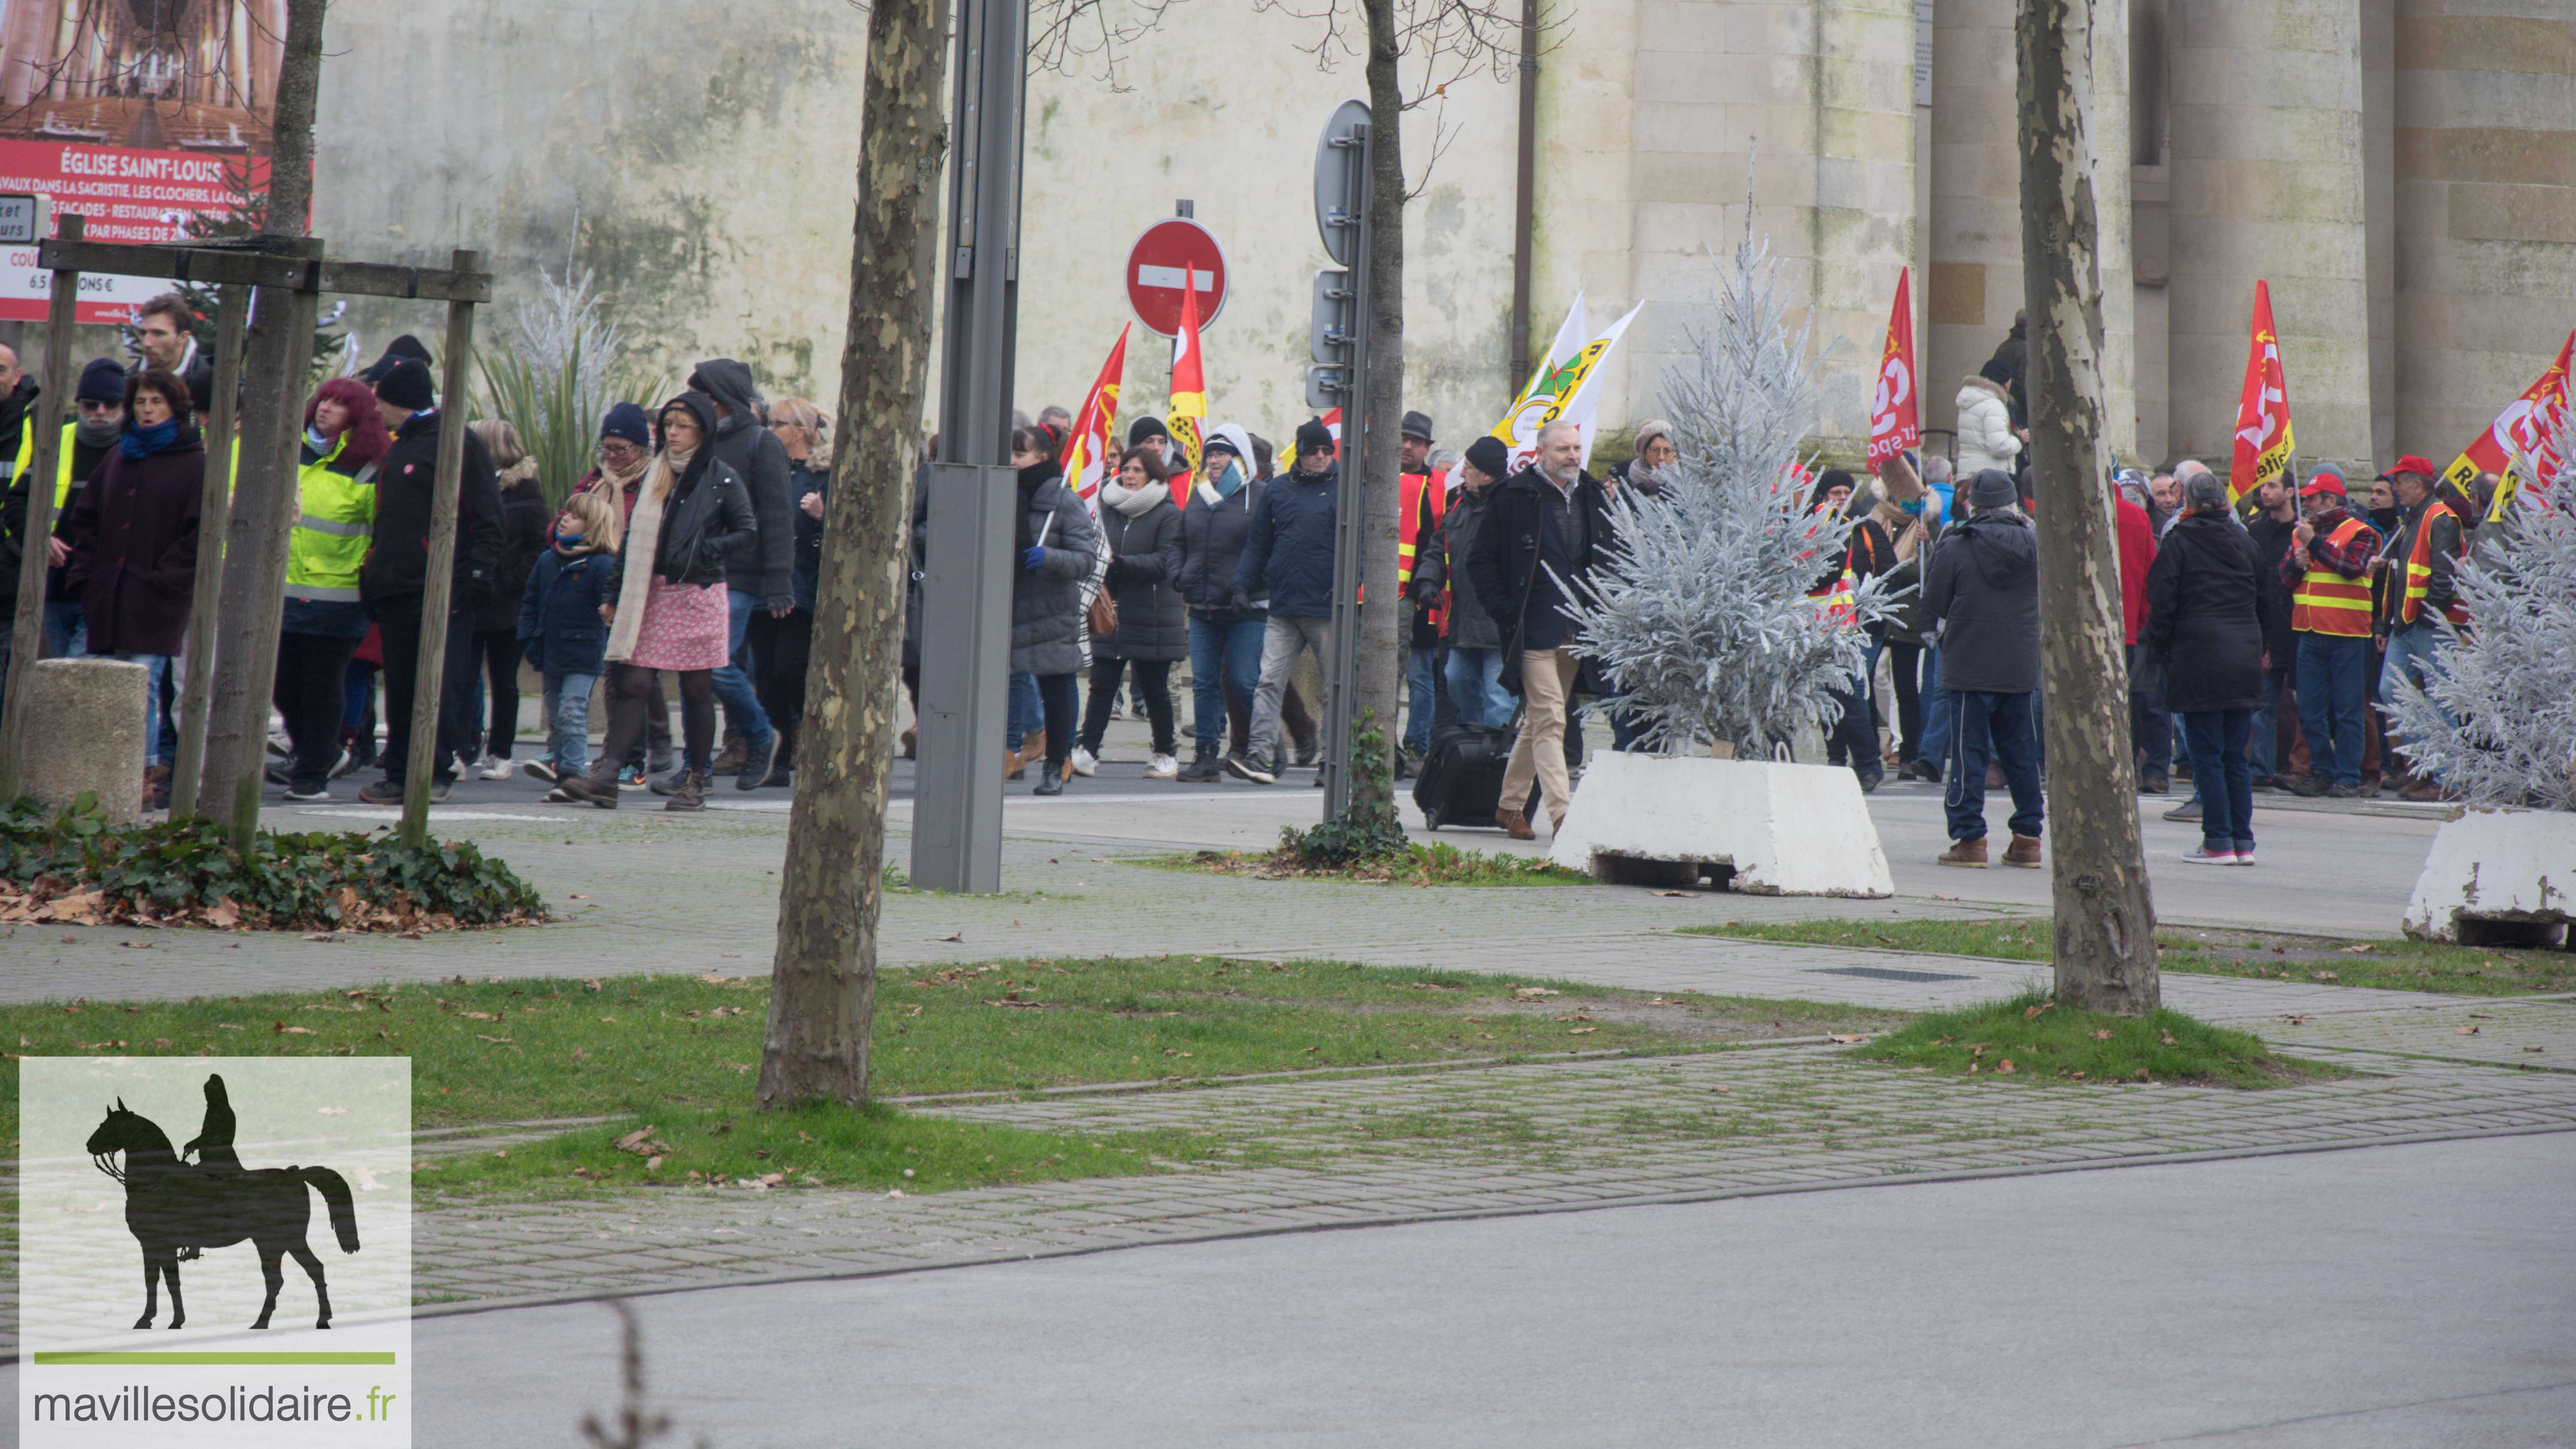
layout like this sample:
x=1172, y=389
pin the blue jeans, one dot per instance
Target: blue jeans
x=1421, y=674
x=1938, y=712
x=733, y=683
x=1998, y=727
x=160, y=666
x=2267, y=723
x=1028, y=710
x=2415, y=654
x=66, y=629
x=1476, y=686
x=2334, y=681
x=568, y=705
x=1222, y=650
x=2226, y=780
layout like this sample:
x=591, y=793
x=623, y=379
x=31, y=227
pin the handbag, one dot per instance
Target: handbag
x=1103, y=614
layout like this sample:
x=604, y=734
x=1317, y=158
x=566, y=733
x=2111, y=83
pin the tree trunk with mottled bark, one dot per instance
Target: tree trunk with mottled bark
x=2105, y=925
x=1378, y=673
x=824, y=975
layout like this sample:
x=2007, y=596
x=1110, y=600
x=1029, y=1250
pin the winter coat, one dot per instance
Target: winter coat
x=1444, y=563
x=1908, y=622
x=86, y=456
x=703, y=522
x=2201, y=620
x=1047, y=601
x=1213, y=531
x=2137, y=555
x=524, y=521
x=1504, y=564
x=559, y=625
x=1144, y=562
x=1288, y=552
x=398, y=560
x=763, y=563
x=2271, y=538
x=808, y=569
x=1983, y=587
x=1986, y=438
x=134, y=548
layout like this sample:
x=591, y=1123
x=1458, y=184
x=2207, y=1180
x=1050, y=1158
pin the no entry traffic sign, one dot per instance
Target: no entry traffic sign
x=1172, y=253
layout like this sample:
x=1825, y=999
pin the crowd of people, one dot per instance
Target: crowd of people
x=691, y=551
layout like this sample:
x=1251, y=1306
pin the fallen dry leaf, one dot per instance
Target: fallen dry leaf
x=503, y=1040
x=1677, y=895
x=957, y=935
x=2031, y=1011
x=591, y=983
x=2466, y=1031
x=2100, y=1033
x=1581, y=1030
x=2168, y=1036
x=2294, y=1020
x=643, y=1143
x=1526, y=993
x=580, y=1055
x=1846, y=1038
x=2323, y=976
x=282, y=1029
x=2356, y=950
x=2004, y=1065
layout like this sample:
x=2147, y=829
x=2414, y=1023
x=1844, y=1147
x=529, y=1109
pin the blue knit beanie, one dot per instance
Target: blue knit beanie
x=626, y=420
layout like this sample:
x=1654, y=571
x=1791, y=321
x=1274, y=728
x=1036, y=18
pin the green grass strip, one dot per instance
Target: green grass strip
x=202, y=1357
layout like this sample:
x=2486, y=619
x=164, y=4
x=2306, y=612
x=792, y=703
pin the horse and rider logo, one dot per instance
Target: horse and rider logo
x=177, y=1209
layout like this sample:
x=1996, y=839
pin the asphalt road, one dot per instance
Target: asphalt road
x=2401, y=1296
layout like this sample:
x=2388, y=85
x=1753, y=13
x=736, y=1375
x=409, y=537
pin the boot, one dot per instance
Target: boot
x=1969, y=853
x=1515, y=824
x=730, y=759
x=2023, y=852
x=1203, y=769
x=692, y=794
x=1050, y=778
x=599, y=787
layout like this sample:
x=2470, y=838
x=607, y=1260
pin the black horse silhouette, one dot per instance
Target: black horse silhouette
x=171, y=1205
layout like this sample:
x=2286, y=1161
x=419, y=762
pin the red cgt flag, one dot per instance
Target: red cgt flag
x=2523, y=427
x=1894, y=425
x=2262, y=409
x=1091, y=453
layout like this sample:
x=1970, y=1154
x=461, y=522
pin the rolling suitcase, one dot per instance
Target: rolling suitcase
x=1462, y=776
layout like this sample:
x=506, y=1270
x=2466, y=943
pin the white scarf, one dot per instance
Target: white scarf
x=643, y=540
x=1134, y=502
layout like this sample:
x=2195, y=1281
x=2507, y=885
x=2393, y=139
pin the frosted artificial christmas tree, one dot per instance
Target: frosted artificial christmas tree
x=1699, y=609
x=2498, y=725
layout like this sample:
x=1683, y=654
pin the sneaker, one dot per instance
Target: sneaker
x=561, y=796
x=662, y=761
x=1307, y=753
x=350, y=761
x=2187, y=810
x=496, y=768
x=2244, y=853
x=308, y=790
x=2154, y=785
x=1249, y=767
x=1969, y=853
x=1205, y=767
x=2342, y=791
x=277, y=775
x=381, y=792
x=1162, y=767
x=670, y=784
x=1924, y=770
x=630, y=777
x=544, y=769
x=2308, y=787
x=1870, y=782
x=2202, y=855
x=1084, y=762
x=758, y=762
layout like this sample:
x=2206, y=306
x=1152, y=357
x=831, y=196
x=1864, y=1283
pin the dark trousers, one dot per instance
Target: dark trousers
x=638, y=694
x=312, y=692
x=1058, y=695
x=400, y=622
x=1153, y=691
x=498, y=649
x=1905, y=663
x=2334, y=682
x=2225, y=777
x=1991, y=727
x=780, y=651
x=657, y=725
x=1851, y=740
x=2151, y=730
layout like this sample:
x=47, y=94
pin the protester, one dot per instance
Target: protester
x=1986, y=436
x=1145, y=562
x=1867, y=552
x=1982, y=590
x=324, y=616
x=1286, y=569
x=782, y=646
x=2204, y=633
x=2150, y=722
x=401, y=347
x=2271, y=531
x=668, y=607
x=2328, y=569
x=2423, y=603
x=133, y=542
x=1537, y=540
x=563, y=632
x=1656, y=463
x=1058, y=550
x=394, y=581
x=759, y=573
x=165, y=333
x=496, y=624
x=1225, y=641
x=85, y=443
x=1475, y=665
x=1422, y=498
x=625, y=451
x=1148, y=432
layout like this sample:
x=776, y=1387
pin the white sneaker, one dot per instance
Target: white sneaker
x=495, y=768
x=2244, y=856
x=1085, y=764
x=1162, y=767
x=2203, y=855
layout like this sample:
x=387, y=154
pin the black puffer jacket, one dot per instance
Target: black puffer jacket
x=1212, y=539
x=1144, y=561
x=763, y=563
x=398, y=558
x=524, y=519
x=1982, y=587
x=1444, y=564
x=2202, y=621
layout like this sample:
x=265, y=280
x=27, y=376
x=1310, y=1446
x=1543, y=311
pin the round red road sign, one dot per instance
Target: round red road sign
x=1172, y=252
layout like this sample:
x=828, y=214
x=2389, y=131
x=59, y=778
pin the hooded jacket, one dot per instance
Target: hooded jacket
x=763, y=564
x=2201, y=619
x=1047, y=601
x=398, y=560
x=1983, y=587
x=1986, y=438
x=1288, y=550
x=559, y=625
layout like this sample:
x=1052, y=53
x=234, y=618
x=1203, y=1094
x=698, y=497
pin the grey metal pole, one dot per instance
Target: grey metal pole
x=27, y=640
x=966, y=580
x=214, y=509
x=1350, y=520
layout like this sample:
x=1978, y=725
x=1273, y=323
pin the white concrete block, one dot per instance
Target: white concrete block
x=2491, y=865
x=1787, y=830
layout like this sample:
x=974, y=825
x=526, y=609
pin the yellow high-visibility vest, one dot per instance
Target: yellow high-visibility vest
x=335, y=521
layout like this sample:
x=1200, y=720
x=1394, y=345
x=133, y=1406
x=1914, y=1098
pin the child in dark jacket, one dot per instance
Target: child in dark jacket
x=564, y=632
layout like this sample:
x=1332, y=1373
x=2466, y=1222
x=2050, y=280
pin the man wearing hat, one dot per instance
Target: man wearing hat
x=2328, y=571
x=1982, y=589
x=395, y=580
x=1422, y=499
x=2419, y=594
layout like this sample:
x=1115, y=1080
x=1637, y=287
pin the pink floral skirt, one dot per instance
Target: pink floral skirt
x=686, y=626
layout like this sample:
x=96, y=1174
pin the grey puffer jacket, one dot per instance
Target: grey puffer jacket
x=1470, y=626
x=1144, y=574
x=1047, y=601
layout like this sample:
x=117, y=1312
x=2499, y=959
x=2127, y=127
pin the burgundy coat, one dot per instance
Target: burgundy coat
x=133, y=535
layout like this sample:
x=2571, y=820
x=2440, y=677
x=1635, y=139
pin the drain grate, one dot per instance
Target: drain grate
x=1888, y=973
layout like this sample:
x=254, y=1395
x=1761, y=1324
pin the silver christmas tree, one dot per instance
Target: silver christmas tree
x=1700, y=609
x=2499, y=724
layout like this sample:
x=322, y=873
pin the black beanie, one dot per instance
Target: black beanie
x=1143, y=428
x=406, y=385
x=1312, y=437
x=101, y=381
x=395, y=351
x=1490, y=456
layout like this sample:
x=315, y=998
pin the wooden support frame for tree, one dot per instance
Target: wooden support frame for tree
x=297, y=268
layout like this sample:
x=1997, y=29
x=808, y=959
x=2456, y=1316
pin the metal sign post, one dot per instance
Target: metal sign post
x=1341, y=214
x=974, y=492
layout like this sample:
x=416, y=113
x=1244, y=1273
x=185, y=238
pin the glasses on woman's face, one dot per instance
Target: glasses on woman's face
x=617, y=450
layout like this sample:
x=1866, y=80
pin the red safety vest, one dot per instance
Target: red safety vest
x=1408, y=529
x=2325, y=602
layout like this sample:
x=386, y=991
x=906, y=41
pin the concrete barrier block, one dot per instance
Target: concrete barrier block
x=2495, y=877
x=85, y=733
x=1783, y=830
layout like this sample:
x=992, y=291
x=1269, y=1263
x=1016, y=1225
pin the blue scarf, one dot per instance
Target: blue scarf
x=142, y=443
x=1230, y=482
